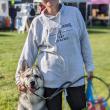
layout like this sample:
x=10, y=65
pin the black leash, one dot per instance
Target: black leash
x=69, y=84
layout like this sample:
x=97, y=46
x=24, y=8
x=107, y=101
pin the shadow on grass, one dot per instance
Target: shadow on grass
x=97, y=32
x=6, y=35
x=1, y=77
x=99, y=27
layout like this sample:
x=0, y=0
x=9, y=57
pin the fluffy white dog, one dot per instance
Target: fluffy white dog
x=33, y=80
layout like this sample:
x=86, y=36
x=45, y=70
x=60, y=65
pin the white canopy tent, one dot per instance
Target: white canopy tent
x=37, y=1
x=4, y=8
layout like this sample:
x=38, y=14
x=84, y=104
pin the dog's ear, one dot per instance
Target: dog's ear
x=24, y=65
x=37, y=67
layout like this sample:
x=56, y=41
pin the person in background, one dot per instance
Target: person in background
x=12, y=14
x=32, y=13
x=59, y=40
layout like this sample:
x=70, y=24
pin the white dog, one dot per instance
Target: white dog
x=33, y=80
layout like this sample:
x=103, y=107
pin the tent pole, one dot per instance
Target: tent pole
x=78, y=5
x=109, y=14
x=86, y=13
x=90, y=14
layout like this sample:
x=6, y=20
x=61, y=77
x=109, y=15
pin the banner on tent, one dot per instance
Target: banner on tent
x=3, y=8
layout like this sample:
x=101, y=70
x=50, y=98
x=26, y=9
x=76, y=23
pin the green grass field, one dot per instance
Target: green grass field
x=11, y=44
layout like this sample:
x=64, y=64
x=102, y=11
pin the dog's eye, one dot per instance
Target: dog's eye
x=27, y=76
x=36, y=76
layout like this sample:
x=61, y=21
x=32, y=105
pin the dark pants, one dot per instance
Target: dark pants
x=76, y=98
x=12, y=26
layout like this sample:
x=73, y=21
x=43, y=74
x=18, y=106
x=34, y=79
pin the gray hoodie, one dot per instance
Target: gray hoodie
x=63, y=44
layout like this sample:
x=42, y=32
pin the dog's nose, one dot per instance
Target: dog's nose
x=32, y=83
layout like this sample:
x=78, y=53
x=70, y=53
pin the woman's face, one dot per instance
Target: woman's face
x=50, y=3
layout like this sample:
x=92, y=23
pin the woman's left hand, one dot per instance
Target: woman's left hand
x=90, y=75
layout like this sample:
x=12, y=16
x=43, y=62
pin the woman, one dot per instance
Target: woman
x=60, y=34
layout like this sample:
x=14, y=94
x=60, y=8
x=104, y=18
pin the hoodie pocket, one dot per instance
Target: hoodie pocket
x=51, y=63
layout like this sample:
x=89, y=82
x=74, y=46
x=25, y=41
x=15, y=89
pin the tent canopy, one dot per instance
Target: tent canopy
x=37, y=0
x=64, y=1
x=91, y=1
x=4, y=8
x=73, y=1
x=99, y=1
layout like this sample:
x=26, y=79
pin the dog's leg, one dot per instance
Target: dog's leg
x=20, y=107
x=40, y=106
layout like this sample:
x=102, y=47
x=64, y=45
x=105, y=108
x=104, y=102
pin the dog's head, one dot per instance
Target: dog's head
x=32, y=79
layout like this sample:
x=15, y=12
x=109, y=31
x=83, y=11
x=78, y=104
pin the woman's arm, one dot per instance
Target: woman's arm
x=29, y=53
x=85, y=46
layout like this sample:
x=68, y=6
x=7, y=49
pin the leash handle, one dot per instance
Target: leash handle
x=89, y=91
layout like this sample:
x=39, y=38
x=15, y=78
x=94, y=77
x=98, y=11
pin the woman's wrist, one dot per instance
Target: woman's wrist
x=90, y=75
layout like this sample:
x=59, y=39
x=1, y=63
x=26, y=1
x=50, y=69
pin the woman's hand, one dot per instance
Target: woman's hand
x=90, y=75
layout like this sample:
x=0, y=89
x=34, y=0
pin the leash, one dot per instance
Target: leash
x=69, y=84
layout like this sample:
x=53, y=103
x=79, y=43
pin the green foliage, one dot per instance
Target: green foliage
x=11, y=44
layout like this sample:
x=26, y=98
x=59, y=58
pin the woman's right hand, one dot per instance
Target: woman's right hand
x=22, y=88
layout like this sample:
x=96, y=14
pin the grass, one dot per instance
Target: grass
x=11, y=44
x=10, y=48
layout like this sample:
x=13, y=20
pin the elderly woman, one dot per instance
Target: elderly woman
x=60, y=35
